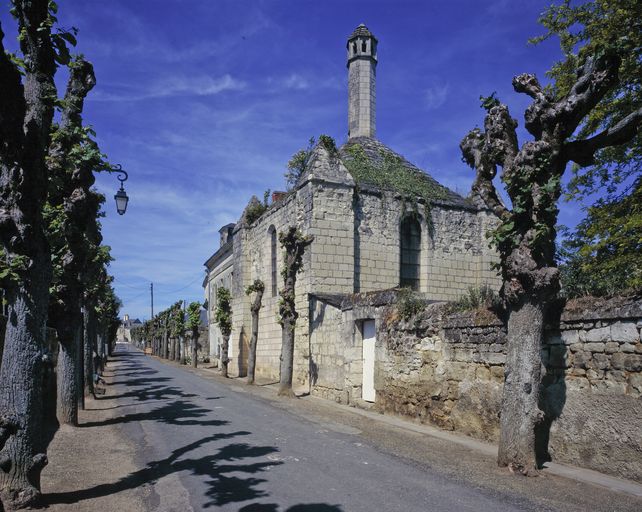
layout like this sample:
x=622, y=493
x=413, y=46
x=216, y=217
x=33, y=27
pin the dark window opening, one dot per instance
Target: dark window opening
x=363, y=47
x=410, y=251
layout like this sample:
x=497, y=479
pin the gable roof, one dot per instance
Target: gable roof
x=375, y=165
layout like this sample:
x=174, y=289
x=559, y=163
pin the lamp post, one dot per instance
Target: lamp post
x=121, y=196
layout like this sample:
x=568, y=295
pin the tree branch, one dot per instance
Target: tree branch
x=81, y=81
x=484, y=151
x=582, y=152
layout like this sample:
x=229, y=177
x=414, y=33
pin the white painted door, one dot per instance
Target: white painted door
x=369, y=338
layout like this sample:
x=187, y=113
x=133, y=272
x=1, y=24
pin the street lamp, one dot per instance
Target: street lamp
x=121, y=196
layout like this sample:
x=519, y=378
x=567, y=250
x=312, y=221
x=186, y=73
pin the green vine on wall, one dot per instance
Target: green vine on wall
x=391, y=172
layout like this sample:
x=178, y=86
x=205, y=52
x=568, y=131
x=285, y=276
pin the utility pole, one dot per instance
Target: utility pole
x=151, y=287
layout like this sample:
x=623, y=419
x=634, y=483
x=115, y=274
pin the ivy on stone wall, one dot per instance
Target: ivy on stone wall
x=391, y=172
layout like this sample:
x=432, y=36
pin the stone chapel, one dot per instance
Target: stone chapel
x=378, y=221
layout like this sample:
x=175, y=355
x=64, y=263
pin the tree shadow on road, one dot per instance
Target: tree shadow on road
x=177, y=412
x=224, y=489
x=309, y=507
x=229, y=472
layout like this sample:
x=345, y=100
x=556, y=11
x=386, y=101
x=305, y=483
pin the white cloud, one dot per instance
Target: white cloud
x=435, y=96
x=175, y=86
x=296, y=81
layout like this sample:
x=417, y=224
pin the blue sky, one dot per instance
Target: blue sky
x=204, y=101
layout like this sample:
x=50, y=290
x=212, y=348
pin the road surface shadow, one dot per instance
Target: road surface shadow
x=222, y=489
x=229, y=472
x=177, y=412
x=309, y=507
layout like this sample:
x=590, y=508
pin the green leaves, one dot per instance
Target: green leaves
x=11, y=267
x=602, y=255
x=255, y=287
x=194, y=316
x=223, y=312
x=488, y=102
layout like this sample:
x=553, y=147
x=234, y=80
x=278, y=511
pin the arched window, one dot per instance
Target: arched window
x=410, y=250
x=273, y=271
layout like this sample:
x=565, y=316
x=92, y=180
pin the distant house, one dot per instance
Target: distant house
x=126, y=327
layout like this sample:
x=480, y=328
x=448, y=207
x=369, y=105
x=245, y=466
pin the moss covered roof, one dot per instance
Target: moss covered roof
x=374, y=164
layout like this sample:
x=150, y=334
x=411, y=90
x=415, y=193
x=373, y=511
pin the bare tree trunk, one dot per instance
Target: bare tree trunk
x=90, y=348
x=254, y=309
x=183, y=342
x=520, y=412
x=294, y=244
x=224, y=352
x=287, y=359
x=194, y=349
x=23, y=365
x=67, y=374
x=26, y=110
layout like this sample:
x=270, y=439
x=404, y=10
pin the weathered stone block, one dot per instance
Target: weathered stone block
x=577, y=347
x=600, y=334
x=482, y=373
x=611, y=347
x=594, y=347
x=633, y=363
x=592, y=374
x=627, y=348
x=495, y=359
x=625, y=331
x=577, y=383
x=581, y=359
x=600, y=362
x=635, y=382
x=497, y=373
x=617, y=360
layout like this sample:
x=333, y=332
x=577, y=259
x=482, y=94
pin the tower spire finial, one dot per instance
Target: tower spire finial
x=362, y=65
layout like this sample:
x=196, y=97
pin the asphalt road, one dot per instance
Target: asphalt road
x=204, y=444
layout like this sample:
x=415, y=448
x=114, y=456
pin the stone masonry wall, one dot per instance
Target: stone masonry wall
x=454, y=252
x=252, y=249
x=449, y=372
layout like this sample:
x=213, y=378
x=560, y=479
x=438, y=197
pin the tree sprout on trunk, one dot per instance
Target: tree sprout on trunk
x=294, y=244
x=258, y=288
x=223, y=317
x=193, y=324
x=525, y=236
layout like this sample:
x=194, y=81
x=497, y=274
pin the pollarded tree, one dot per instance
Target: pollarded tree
x=193, y=324
x=177, y=330
x=294, y=244
x=26, y=113
x=71, y=205
x=223, y=317
x=257, y=287
x=525, y=237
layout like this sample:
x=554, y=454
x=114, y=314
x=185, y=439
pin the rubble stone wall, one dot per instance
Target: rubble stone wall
x=448, y=370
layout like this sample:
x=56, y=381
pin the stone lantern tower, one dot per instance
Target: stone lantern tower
x=362, y=65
